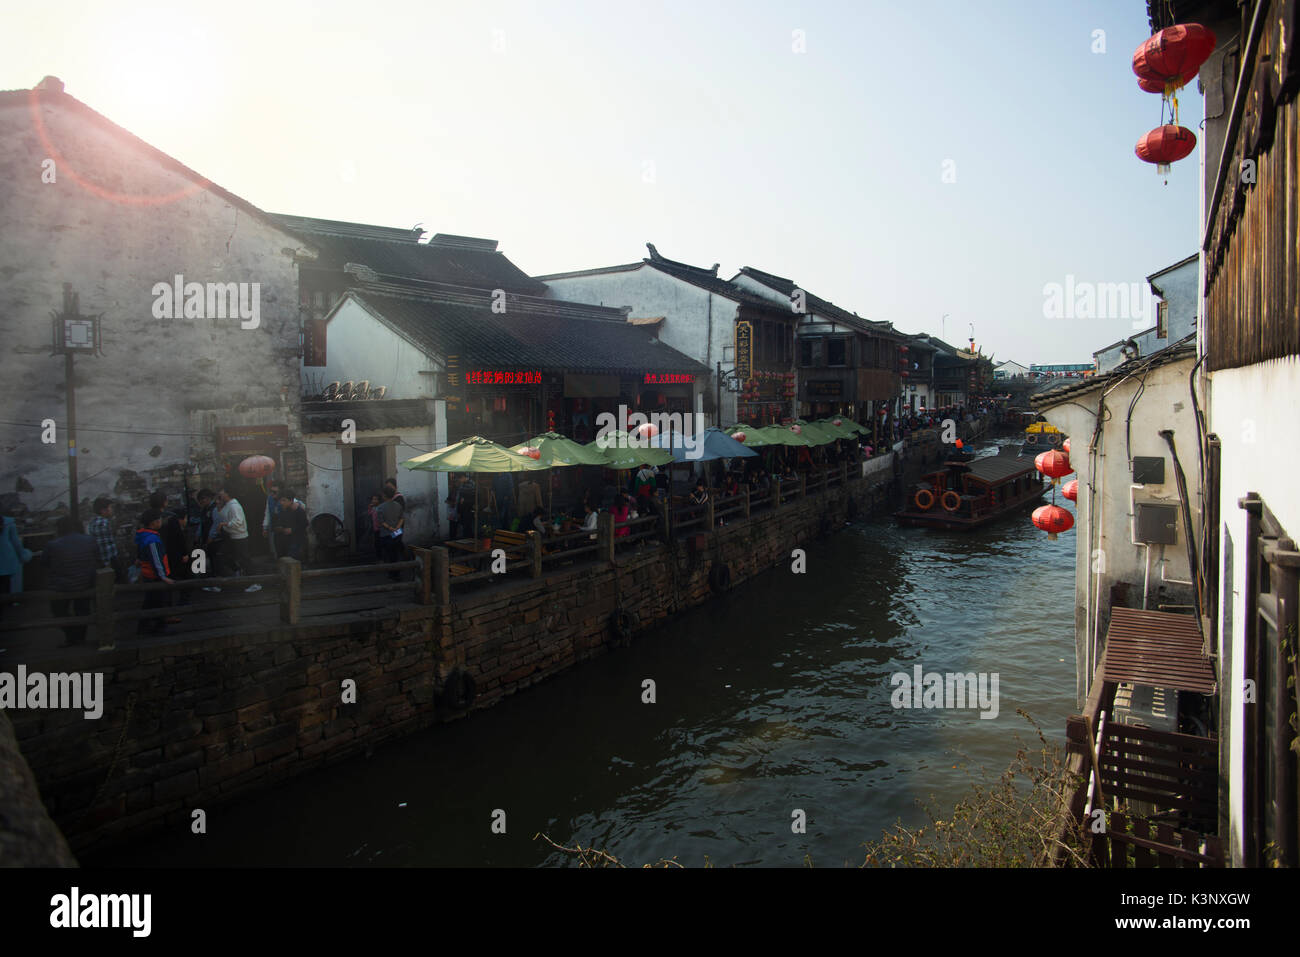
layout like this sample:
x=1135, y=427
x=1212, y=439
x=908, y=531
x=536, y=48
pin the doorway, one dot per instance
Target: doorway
x=368, y=463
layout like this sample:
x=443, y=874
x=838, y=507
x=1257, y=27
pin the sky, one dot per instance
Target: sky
x=905, y=160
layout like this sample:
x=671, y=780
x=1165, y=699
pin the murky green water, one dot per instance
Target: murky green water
x=772, y=699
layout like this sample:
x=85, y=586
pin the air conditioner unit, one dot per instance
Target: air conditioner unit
x=1143, y=706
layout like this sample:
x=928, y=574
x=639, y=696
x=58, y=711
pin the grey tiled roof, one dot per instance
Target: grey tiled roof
x=819, y=305
x=368, y=415
x=554, y=340
x=395, y=254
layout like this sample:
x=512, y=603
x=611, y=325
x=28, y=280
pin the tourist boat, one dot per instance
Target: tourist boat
x=1041, y=437
x=974, y=492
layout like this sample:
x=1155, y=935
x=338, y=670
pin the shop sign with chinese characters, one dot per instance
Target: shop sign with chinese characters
x=502, y=377
x=668, y=378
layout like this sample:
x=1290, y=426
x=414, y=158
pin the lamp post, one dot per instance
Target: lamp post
x=73, y=333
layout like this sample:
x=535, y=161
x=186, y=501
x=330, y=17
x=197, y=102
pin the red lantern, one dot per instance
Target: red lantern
x=647, y=430
x=738, y=436
x=1053, y=519
x=795, y=429
x=533, y=452
x=1173, y=56
x=1071, y=490
x=837, y=422
x=256, y=466
x=1165, y=144
x=1053, y=464
x=1066, y=447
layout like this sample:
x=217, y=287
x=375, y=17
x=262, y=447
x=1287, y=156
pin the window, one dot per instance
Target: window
x=313, y=342
x=807, y=351
x=1162, y=320
x=836, y=352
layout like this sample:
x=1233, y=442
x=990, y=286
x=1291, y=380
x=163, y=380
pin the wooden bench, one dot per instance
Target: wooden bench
x=514, y=543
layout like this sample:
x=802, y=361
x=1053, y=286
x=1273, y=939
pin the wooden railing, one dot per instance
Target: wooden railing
x=1165, y=776
x=284, y=587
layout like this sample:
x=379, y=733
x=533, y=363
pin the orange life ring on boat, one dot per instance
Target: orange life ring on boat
x=956, y=501
x=928, y=502
x=1053, y=439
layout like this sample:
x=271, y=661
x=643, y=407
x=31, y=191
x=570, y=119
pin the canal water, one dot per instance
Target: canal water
x=773, y=699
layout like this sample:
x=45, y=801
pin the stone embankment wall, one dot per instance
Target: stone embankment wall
x=190, y=724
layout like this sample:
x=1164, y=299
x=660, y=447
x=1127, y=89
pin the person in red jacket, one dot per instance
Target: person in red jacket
x=151, y=558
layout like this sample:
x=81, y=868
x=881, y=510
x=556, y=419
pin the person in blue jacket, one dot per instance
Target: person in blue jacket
x=151, y=556
x=13, y=556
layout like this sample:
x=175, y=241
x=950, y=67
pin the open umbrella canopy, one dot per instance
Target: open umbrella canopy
x=815, y=433
x=842, y=431
x=854, y=426
x=754, y=437
x=556, y=450
x=474, y=454
x=619, y=451
x=711, y=444
x=781, y=435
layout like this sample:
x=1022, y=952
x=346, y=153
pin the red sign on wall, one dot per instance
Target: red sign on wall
x=668, y=378
x=502, y=377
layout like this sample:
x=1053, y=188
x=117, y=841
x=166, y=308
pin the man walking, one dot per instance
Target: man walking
x=232, y=528
x=290, y=527
x=101, y=530
x=72, y=560
x=269, y=516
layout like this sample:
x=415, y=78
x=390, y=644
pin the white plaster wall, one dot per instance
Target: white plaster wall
x=1253, y=411
x=134, y=402
x=329, y=484
x=1103, y=532
x=686, y=309
x=360, y=346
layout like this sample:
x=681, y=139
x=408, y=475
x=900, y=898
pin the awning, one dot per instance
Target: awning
x=1157, y=649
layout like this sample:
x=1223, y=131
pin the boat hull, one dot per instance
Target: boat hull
x=936, y=517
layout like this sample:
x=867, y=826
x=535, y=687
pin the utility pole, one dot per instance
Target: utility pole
x=73, y=333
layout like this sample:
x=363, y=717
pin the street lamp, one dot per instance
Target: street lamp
x=73, y=333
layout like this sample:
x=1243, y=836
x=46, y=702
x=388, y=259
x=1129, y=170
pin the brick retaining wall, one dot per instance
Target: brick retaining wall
x=191, y=724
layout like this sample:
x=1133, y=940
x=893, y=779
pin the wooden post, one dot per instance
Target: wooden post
x=105, y=583
x=665, y=511
x=535, y=553
x=440, y=575
x=290, y=591
x=709, y=522
x=605, y=537
x=776, y=492
x=803, y=484
x=844, y=473
x=745, y=492
x=423, y=576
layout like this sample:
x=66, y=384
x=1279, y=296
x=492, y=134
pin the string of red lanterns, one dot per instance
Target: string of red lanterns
x=1164, y=63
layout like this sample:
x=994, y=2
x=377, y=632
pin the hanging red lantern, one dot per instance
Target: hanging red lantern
x=1053, y=464
x=1053, y=519
x=738, y=436
x=1071, y=490
x=1172, y=57
x=647, y=430
x=837, y=422
x=795, y=429
x=1165, y=144
x=533, y=452
x=256, y=466
x=1066, y=447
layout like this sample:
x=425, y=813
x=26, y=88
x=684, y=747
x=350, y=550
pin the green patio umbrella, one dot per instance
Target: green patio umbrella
x=619, y=453
x=556, y=450
x=474, y=454
x=853, y=426
x=754, y=437
x=841, y=431
x=781, y=435
x=815, y=433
